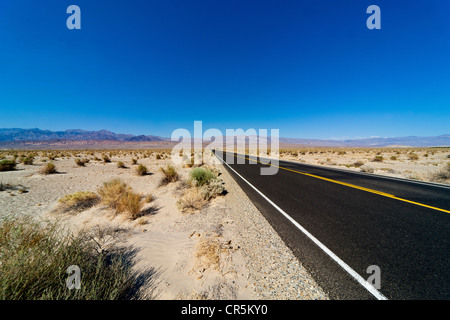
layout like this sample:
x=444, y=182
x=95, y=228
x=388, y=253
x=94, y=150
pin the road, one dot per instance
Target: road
x=338, y=223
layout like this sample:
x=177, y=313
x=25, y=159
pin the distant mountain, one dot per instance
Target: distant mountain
x=35, y=134
x=15, y=137
x=411, y=141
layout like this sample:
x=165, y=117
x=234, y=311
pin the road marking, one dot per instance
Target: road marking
x=332, y=255
x=425, y=183
x=351, y=186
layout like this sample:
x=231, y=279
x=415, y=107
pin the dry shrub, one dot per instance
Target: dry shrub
x=191, y=201
x=149, y=198
x=170, y=175
x=119, y=196
x=141, y=170
x=7, y=165
x=441, y=175
x=131, y=203
x=27, y=160
x=111, y=192
x=412, y=156
x=81, y=162
x=78, y=201
x=358, y=164
x=48, y=168
x=212, y=189
x=35, y=257
x=378, y=159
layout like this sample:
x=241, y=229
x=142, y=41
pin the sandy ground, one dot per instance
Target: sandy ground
x=252, y=261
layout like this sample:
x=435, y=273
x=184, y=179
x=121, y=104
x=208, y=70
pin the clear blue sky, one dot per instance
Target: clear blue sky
x=309, y=68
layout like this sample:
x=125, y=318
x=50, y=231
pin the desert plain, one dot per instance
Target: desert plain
x=190, y=240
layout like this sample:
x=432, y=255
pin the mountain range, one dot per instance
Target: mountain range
x=16, y=137
x=36, y=134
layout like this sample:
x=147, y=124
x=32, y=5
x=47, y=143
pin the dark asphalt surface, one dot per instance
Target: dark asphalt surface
x=410, y=243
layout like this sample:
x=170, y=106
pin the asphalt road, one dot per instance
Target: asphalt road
x=400, y=226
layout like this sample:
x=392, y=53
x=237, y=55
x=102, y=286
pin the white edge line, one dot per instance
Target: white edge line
x=333, y=256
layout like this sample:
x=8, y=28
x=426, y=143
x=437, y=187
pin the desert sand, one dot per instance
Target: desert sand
x=227, y=250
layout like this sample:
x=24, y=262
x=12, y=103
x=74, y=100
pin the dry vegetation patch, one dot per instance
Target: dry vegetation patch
x=191, y=201
x=141, y=170
x=48, y=168
x=117, y=195
x=205, y=186
x=78, y=201
x=170, y=174
x=213, y=252
x=35, y=258
x=7, y=165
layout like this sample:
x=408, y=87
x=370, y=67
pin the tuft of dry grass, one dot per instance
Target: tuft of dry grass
x=148, y=198
x=81, y=162
x=119, y=196
x=141, y=170
x=48, y=168
x=378, y=159
x=170, y=175
x=111, y=192
x=131, y=203
x=191, y=201
x=412, y=156
x=35, y=258
x=7, y=165
x=78, y=201
x=27, y=160
x=358, y=164
x=441, y=175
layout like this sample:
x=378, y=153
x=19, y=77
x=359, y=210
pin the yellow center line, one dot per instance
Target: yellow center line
x=350, y=185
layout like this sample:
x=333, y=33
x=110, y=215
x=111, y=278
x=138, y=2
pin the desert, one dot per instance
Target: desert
x=179, y=245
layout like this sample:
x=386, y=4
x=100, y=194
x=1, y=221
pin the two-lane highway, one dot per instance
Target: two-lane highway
x=339, y=223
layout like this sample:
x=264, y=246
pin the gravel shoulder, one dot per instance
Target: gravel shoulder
x=275, y=272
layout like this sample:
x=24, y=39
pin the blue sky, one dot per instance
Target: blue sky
x=309, y=68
